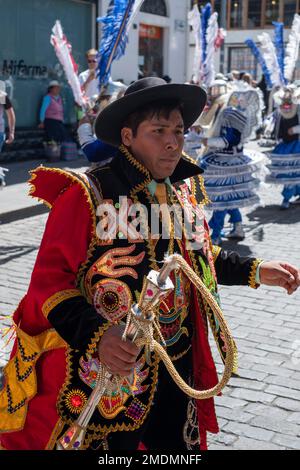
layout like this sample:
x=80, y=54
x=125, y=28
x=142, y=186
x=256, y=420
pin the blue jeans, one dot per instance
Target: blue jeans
x=289, y=192
x=2, y=139
x=216, y=223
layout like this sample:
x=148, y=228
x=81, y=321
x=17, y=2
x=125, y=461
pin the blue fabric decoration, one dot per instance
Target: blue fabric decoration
x=98, y=151
x=279, y=44
x=114, y=38
x=206, y=13
x=258, y=55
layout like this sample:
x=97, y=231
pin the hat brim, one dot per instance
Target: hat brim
x=110, y=120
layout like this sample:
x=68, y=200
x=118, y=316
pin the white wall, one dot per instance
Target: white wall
x=175, y=43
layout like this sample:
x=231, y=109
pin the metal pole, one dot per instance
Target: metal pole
x=223, y=24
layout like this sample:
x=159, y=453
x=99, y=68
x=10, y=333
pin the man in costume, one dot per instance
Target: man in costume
x=83, y=284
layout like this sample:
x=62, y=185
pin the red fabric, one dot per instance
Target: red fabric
x=55, y=270
x=204, y=370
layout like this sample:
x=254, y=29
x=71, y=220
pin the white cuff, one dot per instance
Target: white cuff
x=216, y=142
x=296, y=130
x=85, y=134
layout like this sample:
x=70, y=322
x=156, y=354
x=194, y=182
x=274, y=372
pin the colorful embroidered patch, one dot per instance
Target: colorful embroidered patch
x=136, y=410
x=75, y=401
x=88, y=371
x=112, y=299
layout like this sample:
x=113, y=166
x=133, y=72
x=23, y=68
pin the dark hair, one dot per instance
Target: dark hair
x=157, y=108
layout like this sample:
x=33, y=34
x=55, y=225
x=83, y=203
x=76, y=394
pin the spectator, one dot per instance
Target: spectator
x=6, y=105
x=247, y=77
x=52, y=114
x=88, y=79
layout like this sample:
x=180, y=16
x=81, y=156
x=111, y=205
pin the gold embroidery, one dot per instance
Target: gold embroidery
x=134, y=162
x=107, y=265
x=252, y=274
x=20, y=377
x=32, y=188
x=216, y=250
x=179, y=356
x=75, y=401
x=92, y=346
x=112, y=299
x=57, y=298
x=54, y=435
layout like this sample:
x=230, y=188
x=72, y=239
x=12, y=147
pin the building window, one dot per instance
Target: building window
x=236, y=13
x=218, y=6
x=156, y=7
x=254, y=14
x=150, y=51
x=289, y=10
x=242, y=59
x=271, y=11
x=249, y=14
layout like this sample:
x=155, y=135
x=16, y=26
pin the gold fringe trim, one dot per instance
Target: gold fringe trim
x=55, y=433
x=206, y=201
x=32, y=188
x=135, y=162
x=20, y=377
x=57, y=298
x=252, y=274
x=216, y=250
x=92, y=346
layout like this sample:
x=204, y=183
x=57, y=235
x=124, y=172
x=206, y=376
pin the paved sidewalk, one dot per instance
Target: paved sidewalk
x=260, y=409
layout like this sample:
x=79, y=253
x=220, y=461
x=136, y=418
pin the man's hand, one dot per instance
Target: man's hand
x=92, y=76
x=85, y=120
x=11, y=138
x=118, y=355
x=41, y=125
x=276, y=273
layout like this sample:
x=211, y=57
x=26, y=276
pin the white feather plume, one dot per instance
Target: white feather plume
x=194, y=18
x=292, y=49
x=269, y=54
x=63, y=52
x=135, y=9
x=211, y=36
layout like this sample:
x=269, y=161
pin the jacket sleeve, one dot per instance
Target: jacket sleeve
x=235, y=270
x=54, y=294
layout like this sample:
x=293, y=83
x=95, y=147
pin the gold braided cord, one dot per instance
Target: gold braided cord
x=228, y=340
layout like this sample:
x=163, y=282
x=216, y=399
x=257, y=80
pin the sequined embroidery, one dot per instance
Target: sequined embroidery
x=111, y=405
x=57, y=298
x=136, y=410
x=75, y=401
x=115, y=263
x=112, y=299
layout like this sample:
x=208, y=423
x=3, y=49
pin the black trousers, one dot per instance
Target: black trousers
x=163, y=428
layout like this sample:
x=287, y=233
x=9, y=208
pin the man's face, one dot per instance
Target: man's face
x=158, y=144
x=92, y=61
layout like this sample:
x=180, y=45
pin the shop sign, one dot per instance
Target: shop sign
x=18, y=68
x=150, y=32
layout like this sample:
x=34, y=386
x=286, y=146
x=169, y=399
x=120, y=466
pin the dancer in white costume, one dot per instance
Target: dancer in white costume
x=285, y=158
x=230, y=172
x=278, y=65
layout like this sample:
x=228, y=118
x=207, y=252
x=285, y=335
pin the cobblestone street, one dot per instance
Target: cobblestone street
x=260, y=409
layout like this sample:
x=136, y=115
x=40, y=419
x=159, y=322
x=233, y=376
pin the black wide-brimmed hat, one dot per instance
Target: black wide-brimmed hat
x=110, y=120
